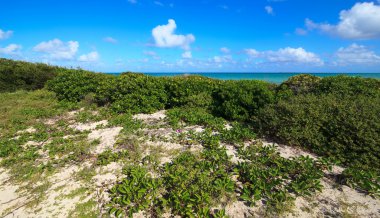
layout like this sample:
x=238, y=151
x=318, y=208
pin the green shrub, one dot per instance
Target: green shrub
x=190, y=91
x=300, y=84
x=346, y=129
x=239, y=100
x=194, y=116
x=138, y=93
x=345, y=86
x=74, y=85
x=17, y=75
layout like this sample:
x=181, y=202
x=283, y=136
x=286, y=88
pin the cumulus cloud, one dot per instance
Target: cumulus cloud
x=165, y=37
x=356, y=54
x=11, y=49
x=187, y=55
x=90, y=57
x=252, y=53
x=58, y=50
x=362, y=21
x=225, y=50
x=158, y=3
x=110, y=40
x=269, y=10
x=286, y=55
x=5, y=34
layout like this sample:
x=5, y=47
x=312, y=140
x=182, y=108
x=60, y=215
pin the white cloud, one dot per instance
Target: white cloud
x=356, y=54
x=286, y=55
x=222, y=59
x=269, y=10
x=132, y=1
x=11, y=49
x=110, y=40
x=362, y=21
x=225, y=50
x=298, y=55
x=90, y=57
x=187, y=55
x=252, y=53
x=5, y=34
x=164, y=37
x=58, y=50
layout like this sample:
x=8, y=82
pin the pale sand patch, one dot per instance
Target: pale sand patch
x=106, y=136
x=88, y=126
x=148, y=118
x=336, y=203
x=232, y=152
x=289, y=151
x=9, y=197
x=239, y=210
x=28, y=130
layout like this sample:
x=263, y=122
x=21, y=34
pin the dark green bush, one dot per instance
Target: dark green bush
x=347, y=129
x=192, y=91
x=348, y=86
x=74, y=85
x=239, y=100
x=16, y=75
x=138, y=93
x=300, y=84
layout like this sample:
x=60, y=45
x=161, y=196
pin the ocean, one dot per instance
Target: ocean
x=269, y=77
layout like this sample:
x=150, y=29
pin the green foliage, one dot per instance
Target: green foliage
x=138, y=93
x=194, y=184
x=345, y=129
x=239, y=100
x=138, y=191
x=74, y=85
x=238, y=133
x=108, y=157
x=300, y=84
x=190, y=91
x=194, y=116
x=269, y=177
x=346, y=86
x=365, y=180
x=20, y=75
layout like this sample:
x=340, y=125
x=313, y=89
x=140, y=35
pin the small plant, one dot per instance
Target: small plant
x=138, y=191
x=367, y=181
x=108, y=157
x=276, y=180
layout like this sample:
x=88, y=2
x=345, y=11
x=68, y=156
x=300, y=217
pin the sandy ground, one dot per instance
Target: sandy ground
x=333, y=201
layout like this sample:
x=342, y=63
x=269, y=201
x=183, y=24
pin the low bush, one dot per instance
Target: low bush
x=240, y=100
x=346, y=129
x=74, y=85
x=194, y=116
x=190, y=91
x=20, y=75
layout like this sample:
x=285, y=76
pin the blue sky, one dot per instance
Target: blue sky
x=194, y=36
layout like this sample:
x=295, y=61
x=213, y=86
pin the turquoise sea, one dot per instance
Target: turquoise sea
x=269, y=77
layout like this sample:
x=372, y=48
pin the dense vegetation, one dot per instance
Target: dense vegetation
x=17, y=75
x=337, y=118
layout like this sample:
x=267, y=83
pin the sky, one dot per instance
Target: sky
x=194, y=36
